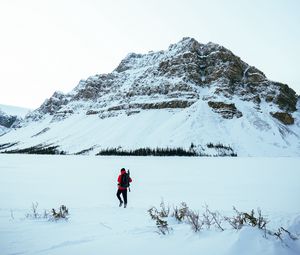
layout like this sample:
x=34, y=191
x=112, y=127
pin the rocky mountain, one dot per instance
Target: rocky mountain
x=10, y=117
x=200, y=97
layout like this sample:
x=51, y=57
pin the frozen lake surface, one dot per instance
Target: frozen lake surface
x=87, y=186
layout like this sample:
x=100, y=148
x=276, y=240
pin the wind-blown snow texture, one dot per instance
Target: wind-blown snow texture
x=87, y=186
x=190, y=93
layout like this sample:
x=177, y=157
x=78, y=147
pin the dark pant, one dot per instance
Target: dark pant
x=124, y=194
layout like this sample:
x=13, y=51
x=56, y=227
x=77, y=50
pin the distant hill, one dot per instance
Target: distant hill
x=11, y=116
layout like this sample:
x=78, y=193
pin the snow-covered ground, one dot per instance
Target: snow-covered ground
x=87, y=186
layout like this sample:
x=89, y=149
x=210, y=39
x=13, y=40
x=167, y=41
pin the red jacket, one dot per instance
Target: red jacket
x=119, y=181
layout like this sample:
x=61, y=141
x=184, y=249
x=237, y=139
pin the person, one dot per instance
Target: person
x=122, y=188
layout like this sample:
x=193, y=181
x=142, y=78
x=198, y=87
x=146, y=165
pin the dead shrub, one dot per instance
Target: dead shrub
x=194, y=220
x=162, y=225
x=180, y=214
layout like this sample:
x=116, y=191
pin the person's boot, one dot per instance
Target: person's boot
x=121, y=202
x=125, y=205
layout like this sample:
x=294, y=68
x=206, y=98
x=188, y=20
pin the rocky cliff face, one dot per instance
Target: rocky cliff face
x=187, y=77
x=7, y=120
x=170, y=79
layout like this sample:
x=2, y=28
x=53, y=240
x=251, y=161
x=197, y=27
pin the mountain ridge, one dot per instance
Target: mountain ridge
x=10, y=117
x=204, y=85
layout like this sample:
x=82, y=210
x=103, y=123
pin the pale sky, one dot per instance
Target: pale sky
x=49, y=45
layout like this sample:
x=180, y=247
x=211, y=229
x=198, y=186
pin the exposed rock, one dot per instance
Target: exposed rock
x=179, y=73
x=41, y=132
x=127, y=62
x=62, y=114
x=168, y=83
x=94, y=87
x=269, y=98
x=91, y=112
x=11, y=117
x=129, y=113
x=254, y=76
x=111, y=114
x=257, y=99
x=186, y=65
x=7, y=145
x=227, y=111
x=7, y=120
x=50, y=106
x=159, y=105
x=287, y=98
x=285, y=117
x=169, y=104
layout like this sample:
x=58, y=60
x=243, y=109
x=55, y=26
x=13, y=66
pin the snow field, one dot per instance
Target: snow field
x=87, y=186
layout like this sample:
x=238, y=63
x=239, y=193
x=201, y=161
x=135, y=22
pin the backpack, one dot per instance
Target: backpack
x=124, y=180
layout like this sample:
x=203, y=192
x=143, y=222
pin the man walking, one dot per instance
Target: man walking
x=123, y=183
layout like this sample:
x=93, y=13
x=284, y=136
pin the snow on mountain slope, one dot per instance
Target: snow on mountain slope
x=10, y=116
x=191, y=93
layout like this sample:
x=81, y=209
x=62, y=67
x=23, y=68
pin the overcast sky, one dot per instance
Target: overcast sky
x=49, y=45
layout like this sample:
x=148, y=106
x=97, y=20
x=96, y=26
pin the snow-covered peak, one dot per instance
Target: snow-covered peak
x=191, y=93
x=186, y=44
